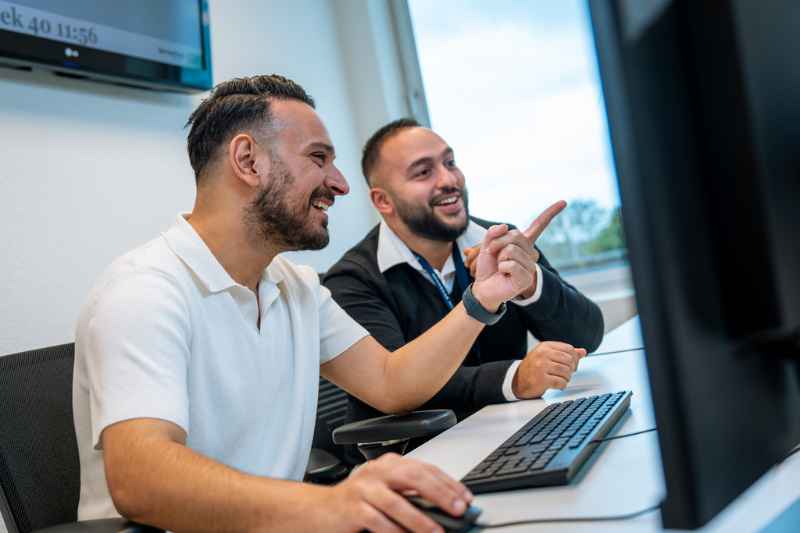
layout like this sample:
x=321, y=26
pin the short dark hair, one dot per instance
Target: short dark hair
x=234, y=105
x=373, y=146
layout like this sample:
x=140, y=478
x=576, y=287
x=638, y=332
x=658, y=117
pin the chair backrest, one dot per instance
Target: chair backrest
x=331, y=413
x=39, y=465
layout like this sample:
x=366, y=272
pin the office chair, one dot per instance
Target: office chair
x=39, y=468
x=373, y=437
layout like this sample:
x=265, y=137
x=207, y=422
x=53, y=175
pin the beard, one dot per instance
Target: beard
x=422, y=220
x=274, y=219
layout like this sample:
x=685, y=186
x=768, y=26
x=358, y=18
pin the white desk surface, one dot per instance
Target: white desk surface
x=623, y=476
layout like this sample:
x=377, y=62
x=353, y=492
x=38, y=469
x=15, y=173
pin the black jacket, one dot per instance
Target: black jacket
x=400, y=304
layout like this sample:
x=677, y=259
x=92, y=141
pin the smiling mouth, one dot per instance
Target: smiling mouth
x=447, y=200
x=323, y=204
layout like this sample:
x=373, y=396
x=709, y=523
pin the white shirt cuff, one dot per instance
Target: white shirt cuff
x=508, y=390
x=536, y=294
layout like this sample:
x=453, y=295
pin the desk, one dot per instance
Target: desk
x=622, y=476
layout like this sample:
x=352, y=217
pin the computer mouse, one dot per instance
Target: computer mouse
x=450, y=523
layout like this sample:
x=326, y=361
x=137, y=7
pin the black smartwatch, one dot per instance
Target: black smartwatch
x=478, y=311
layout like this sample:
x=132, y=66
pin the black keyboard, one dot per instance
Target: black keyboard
x=551, y=447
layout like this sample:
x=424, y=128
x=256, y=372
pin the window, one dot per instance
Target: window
x=513, y=87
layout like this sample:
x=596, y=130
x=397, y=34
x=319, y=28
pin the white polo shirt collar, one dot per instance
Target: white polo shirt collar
x=184, y=240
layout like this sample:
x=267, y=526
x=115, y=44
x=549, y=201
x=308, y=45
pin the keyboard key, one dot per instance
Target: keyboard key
x=538, y=465
x=474, y=476
x=536, y=438
x=536, y=448
x=542, y=461
x=575, y=442
x=509, y=470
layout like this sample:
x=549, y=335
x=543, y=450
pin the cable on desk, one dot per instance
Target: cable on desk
x=623, y=436
x=611, y=518
x=617, y=351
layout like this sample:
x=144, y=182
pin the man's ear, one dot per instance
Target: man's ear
x=381, y=200
x=242, y=159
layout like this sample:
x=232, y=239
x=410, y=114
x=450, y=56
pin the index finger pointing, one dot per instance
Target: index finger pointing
x=493, y=233
x=538, y=226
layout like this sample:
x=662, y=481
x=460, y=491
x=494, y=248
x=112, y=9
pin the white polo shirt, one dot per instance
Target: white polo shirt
x=166, y=333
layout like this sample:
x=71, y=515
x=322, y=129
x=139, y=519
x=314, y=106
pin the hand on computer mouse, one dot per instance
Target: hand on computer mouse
x=372, y=497
x=451, y=524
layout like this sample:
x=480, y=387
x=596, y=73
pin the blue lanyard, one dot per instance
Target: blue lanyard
x=462, y=278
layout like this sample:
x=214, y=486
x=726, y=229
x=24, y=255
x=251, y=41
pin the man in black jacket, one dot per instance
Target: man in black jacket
x=406, y=274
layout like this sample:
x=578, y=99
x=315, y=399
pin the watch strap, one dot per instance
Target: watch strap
x=477, y=311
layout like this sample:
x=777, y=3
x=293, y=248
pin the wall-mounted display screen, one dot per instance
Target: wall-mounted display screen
x=152, y=43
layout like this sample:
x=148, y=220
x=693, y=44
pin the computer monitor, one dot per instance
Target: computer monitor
x=703, y=102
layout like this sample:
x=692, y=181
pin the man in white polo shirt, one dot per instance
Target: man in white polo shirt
x=198, y=354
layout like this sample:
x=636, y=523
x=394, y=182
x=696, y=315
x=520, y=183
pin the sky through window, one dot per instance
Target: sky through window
x=513, y=87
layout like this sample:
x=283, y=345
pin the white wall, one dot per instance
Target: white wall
x=89, y=170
